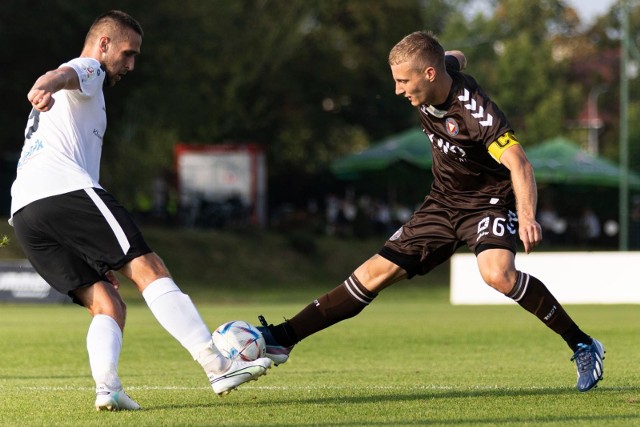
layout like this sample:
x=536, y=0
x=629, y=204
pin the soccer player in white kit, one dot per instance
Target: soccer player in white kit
x=76, y=234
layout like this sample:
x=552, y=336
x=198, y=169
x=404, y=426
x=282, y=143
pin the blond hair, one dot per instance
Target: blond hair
x=421, y=48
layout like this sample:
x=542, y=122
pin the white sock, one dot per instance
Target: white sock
x=177, y=314
x=104, y=341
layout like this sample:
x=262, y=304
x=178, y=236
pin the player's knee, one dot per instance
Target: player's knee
x=145, y=269
x=377, y=273
x=106, y=300
x=499, y=280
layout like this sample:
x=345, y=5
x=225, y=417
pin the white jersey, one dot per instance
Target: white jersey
x=62, y=147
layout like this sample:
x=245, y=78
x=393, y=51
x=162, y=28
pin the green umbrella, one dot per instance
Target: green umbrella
x=411, y=146
x=557, y=161
x=561, y=161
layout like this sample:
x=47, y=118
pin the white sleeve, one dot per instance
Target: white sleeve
x=90, y=74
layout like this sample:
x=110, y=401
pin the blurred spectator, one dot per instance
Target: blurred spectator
x=382, y=217
x=553, y=227
x=590, y=228
x=346, y=215
x=634, y=232
x=161, y=188
x=332, y=210
x=400, y=215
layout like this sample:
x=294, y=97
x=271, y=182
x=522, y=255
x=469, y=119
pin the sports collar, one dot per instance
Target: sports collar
x=434, y=111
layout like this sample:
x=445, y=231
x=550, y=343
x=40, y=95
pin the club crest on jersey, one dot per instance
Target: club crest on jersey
x=89, y=74
x=452, y=127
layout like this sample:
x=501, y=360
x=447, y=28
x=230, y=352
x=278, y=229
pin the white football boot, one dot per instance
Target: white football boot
x=114, y=400
x=239, y=372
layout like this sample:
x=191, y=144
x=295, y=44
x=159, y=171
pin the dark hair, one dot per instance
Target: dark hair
x=114, y=18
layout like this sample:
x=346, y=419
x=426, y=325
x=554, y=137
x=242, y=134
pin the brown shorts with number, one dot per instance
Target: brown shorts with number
x=436, y=231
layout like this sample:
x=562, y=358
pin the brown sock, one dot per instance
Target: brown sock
x=344, y=302
x=533, y=296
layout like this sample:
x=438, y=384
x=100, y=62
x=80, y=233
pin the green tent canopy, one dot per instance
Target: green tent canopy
x=411, y=146
x=555, y=161
x=561, y=161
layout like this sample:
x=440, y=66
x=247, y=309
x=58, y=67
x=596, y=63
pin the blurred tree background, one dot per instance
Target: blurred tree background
x=309, y=81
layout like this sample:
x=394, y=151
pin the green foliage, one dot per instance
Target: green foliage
x=512, y=56
x=408, y=359
x=634, y=136
x=10, y=247
x=309, y=81
x=136, y=157
x=538, y=109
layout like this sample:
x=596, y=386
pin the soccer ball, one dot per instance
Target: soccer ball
x=239, y=340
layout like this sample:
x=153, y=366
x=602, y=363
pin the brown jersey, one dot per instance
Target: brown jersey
x=461, y=130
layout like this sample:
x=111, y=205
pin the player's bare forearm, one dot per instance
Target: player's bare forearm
x=525, y=190
x=526, y=197
x=41, y=94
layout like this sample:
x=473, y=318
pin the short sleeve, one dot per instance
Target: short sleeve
x=90, y=74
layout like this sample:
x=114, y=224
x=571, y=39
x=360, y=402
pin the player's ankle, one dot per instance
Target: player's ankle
x=212, y=362
x=284, y=334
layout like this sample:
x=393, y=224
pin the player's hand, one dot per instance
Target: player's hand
x=41, y=99
x=112, y=279
x=530, y=234
x=41, y=94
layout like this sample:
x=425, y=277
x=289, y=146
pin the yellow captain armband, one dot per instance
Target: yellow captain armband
x=499, y=146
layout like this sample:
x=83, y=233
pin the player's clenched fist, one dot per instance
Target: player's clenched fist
x=41, y=99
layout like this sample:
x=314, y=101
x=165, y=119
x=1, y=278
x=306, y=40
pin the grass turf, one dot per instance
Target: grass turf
x=409, y=359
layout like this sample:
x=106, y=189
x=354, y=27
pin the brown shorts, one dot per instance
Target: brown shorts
x=436, y=231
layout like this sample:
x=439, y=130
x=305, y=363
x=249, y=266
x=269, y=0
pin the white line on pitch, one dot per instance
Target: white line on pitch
x=309, y=388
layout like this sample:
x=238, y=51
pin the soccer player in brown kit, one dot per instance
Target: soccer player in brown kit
x=484, y=195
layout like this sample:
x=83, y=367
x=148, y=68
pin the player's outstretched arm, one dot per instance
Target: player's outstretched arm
x=41, y=94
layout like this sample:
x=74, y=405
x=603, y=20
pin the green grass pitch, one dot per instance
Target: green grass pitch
x=409, y=359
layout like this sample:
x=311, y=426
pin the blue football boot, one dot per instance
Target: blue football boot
x=588, y=360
